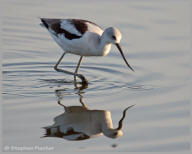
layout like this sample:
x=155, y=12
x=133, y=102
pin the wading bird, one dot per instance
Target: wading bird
x=83, y=38
x=80, y=123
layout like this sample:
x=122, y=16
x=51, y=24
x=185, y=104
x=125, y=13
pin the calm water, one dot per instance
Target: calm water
x=156, y=42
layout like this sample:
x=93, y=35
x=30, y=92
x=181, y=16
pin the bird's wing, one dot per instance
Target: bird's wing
x=71, y=28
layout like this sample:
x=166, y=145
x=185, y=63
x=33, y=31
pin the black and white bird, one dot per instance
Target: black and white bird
x=83, y=38
x=81, y=123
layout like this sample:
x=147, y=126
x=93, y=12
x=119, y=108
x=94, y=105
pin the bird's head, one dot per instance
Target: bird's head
x=117, y=132
x=113, y=35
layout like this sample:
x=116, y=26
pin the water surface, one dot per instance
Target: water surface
x=156, y=43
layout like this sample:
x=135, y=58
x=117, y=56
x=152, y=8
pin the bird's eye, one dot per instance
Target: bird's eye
x=114, y=37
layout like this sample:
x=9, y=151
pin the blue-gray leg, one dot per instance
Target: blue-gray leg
x=84, y=80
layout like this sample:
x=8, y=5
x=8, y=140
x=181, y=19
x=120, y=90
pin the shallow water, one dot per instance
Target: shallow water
x=156, y=42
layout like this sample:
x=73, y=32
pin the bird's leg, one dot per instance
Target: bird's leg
x=84, y=80
x=59, y=61
x=59, y=102
x=76, y=70
x=58, y=92
x=81, y=101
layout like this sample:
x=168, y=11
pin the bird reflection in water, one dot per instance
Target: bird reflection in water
x=81, y=123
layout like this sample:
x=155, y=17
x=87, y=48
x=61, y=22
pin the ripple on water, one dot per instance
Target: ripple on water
x=39, y=76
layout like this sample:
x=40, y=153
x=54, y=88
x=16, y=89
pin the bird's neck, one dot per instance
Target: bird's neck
x=107, y=126
x=107, y=121
x=104, y=45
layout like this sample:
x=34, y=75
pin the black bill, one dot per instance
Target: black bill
x=118, y=46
